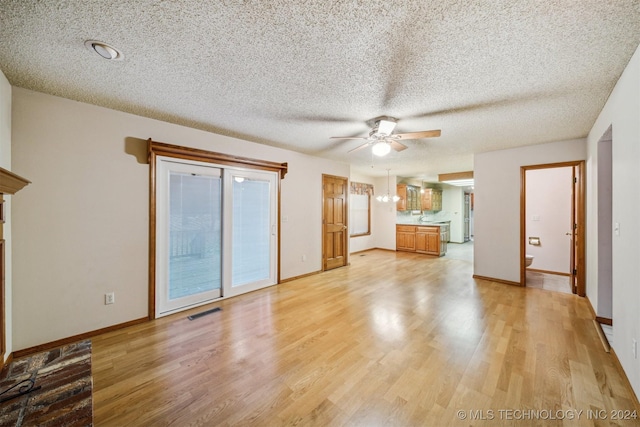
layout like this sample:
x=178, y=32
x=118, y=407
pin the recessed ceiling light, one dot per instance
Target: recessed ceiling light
x=104, y=50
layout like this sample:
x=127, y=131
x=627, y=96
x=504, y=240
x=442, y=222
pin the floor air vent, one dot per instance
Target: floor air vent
x=204, y=313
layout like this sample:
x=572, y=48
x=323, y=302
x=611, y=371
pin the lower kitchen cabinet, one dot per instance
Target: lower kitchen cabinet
x=423, y=239
x=428, y=240
x=406, y=238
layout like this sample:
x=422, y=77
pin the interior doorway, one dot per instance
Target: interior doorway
x=604, y=308
x=334, y=221
x=572, y=232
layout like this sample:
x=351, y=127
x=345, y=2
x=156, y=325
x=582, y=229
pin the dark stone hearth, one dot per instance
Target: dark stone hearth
x=64, y=396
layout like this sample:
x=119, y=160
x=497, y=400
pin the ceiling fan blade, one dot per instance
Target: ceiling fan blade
x=398, y=146
x=348, y=137
x=359, y=147
x=418, y=135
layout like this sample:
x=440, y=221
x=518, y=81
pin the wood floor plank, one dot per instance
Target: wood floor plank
x=393, y=339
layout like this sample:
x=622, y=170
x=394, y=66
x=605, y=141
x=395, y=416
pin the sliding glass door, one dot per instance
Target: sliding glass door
x=215, y=233
x=189, y=239
x=251, y=219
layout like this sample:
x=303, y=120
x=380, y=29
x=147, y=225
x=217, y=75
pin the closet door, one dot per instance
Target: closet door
x=250, y=232
x=189, y=235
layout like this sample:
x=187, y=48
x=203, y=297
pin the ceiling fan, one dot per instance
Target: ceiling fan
x=382, y=139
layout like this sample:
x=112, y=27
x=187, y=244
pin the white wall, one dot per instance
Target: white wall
x=81, y=228
x=384, y=225
x=5, y=162
x=622, y=113
x=497, y=203
x=362, y=243
x=453, y=205
x=604, y=301
x=548, y=216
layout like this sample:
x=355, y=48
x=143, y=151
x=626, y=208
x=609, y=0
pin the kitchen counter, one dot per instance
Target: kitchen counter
x=426, y=223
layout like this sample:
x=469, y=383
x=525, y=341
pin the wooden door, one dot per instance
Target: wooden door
x=334, y=222
x=577, y=266
x=572, y=235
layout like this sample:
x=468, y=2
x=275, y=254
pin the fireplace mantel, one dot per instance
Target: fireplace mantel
x=10, y=183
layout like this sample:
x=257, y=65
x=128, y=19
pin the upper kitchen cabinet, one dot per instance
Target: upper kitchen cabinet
x=409, y=198
x=401, y=191
x=431, y=200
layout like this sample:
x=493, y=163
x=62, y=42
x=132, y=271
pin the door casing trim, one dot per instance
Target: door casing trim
x=580, y=260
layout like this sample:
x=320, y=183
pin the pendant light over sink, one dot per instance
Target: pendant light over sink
x=388, y=197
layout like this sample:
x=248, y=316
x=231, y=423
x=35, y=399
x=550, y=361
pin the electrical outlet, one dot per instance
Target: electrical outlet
x=109, y=298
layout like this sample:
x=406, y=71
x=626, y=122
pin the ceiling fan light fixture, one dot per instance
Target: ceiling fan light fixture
x=385, y=127
x=381, y=148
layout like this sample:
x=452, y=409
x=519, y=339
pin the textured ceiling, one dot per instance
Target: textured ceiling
x=292, y=73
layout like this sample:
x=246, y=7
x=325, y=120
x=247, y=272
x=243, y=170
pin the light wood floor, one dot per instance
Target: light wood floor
x=395, y=339
x=551, y=282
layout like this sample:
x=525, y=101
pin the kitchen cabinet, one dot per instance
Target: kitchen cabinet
x=429, y=239
x=422, y=239
x=406, y=238
x=401, y=192
x=431, y=200
x=425, y=200
x=409, y=198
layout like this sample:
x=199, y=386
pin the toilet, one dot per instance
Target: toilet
x=528, y=259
